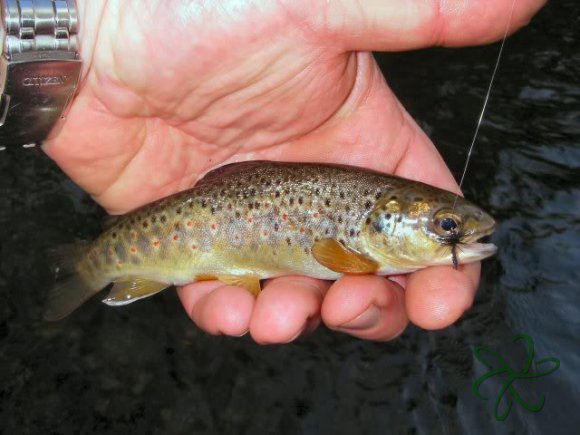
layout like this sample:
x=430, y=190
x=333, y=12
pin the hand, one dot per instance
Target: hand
x=173, y=88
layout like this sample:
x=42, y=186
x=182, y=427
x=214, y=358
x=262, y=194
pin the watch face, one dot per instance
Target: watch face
x=2, y=29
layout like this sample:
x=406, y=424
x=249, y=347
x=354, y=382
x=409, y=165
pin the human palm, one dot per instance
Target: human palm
x=176, y=87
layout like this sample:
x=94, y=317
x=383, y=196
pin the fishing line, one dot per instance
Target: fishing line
x=486, y=100
x=454, y=257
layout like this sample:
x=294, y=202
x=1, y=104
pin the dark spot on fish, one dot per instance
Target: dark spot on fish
x=316, y=239
x=288, y=241
x=163, y=219
x=306, y=251
x=114, y=235
x=378, y=195
x=212, y=209
x=352, y=233
x=203, y=203
x=342, y=195
x=121, y=252
x=133, y=221
x=388, y=216
x=400, y=219
x=368, y=221
x=368, y=205
x=276, y=227
x=178, y=210
x=378, y=226
x=300, y=200
x=317, y=191
x=291, y=201
x=251, y=205
x=366, y=192
x=252, y=192
x=327, y=202
x=347, y=208
x=418, y=198
x=153, y=219
x=238, y=215
x=145, y=224
x=257, y=205
x=339, y=219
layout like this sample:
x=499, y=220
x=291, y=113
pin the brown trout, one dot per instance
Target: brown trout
x=249, y=221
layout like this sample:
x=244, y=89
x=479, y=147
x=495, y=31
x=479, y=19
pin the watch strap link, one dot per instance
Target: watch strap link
x=39, y=67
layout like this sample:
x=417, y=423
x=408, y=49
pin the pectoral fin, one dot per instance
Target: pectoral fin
x=249, y=282
x=132, y=289
x=338, y=258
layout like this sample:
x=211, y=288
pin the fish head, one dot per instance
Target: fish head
x=422, y=226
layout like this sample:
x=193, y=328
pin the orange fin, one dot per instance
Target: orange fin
x=249, y=282
x=200, y=278
x=132, y=289
x=338, y=258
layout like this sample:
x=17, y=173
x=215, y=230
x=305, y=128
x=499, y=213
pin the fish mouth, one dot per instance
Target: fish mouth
x=475, y=251
x=475, y=246
x=483, y=230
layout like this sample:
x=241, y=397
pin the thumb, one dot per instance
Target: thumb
x=390, y=25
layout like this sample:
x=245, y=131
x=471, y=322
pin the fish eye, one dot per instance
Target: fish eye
x=448, y=224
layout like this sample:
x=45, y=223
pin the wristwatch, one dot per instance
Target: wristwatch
x=39, y=67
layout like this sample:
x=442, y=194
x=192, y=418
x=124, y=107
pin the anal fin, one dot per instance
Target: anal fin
x=132, y=289
x=338, y=258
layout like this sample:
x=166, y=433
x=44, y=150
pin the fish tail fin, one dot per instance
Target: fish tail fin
x=71, y=289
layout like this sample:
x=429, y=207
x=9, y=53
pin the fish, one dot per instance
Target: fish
x=249, y=221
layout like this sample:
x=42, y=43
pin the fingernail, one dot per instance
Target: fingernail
x=367, y=319
x=294, y=337
x=242, y=334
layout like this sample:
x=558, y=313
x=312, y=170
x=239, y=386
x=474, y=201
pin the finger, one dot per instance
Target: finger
x=374, y=130
x=407, y=24
x=286, y=308
x=438, y=296
x=218, y=308
x=369, y=307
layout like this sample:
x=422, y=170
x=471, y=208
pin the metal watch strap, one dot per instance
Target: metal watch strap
x=39, y=67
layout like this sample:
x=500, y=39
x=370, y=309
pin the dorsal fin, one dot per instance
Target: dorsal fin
x=229, y=169
x=110, y=220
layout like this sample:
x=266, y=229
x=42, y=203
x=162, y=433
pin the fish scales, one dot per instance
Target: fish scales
x=267, y=219
x=271, y=216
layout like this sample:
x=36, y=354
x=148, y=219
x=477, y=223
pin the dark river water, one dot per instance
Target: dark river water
x=145, y=368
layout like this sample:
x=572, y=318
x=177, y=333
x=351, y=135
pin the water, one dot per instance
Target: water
x=145, y=369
